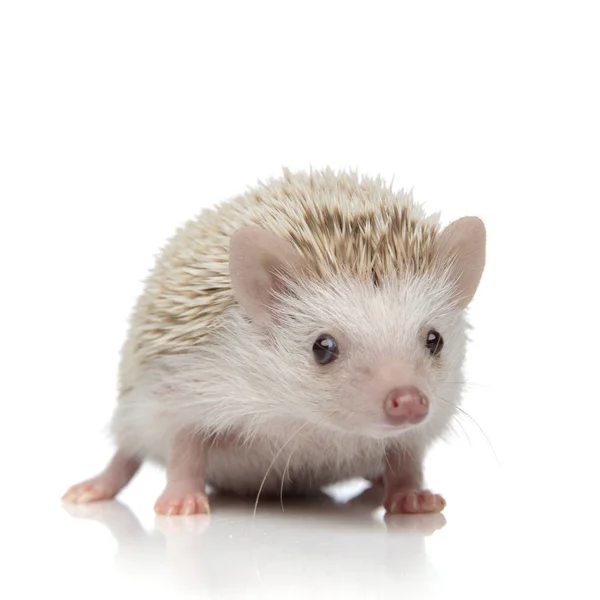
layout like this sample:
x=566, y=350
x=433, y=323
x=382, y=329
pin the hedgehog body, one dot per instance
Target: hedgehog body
x=309, y=331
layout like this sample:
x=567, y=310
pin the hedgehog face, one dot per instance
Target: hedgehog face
x=372, y=358
x=376, y=361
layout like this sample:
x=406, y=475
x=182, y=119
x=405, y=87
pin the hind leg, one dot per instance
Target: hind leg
x=105, y=486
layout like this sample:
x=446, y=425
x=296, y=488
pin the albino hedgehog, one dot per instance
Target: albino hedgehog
x=310, y=331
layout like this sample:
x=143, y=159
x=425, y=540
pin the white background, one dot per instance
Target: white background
x=120, y=120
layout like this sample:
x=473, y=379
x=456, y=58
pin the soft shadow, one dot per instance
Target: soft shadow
x=362, y=511
x=311, y=544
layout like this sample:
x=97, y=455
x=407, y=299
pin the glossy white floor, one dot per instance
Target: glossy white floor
x=119, y=120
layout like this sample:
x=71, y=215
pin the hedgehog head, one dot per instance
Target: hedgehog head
x=358, y=334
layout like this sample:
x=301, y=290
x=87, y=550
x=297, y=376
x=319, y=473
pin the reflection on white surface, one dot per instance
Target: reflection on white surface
x=343, y=544
x=499, y=537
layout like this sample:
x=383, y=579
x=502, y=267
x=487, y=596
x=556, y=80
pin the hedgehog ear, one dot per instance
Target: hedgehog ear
x=464, y=242
x=259, y=261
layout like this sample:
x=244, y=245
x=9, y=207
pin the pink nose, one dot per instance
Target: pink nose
x=406, y=405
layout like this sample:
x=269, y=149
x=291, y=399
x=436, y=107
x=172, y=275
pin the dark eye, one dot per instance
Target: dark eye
x=434, y=343
x=325, y=349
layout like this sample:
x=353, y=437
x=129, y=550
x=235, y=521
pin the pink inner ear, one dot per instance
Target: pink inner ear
x=256, y=256
x=465, y=240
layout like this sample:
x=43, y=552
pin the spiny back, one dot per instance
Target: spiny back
x=340, y=223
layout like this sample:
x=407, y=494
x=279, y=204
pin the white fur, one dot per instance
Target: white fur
x=265, y=403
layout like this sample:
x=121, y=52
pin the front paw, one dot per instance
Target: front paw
x=182, y=498
x=93, y=490
x=414, y=502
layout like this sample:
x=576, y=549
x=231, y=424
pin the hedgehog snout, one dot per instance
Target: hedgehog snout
x=394, y=391
x=406, y=405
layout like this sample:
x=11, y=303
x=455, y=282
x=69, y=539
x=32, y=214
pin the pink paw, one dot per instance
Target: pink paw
x=92, y=490
x=414, y=502
x=182, y=500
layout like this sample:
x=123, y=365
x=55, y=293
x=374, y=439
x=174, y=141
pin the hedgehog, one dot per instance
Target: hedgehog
x=310, y=331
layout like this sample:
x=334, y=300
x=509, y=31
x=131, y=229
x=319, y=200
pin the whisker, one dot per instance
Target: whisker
x=455, y=422
x=387, y=460
x=273, y=462
x=287, y=466
x=473, y=420
x=411, y=455
x=467, y=383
